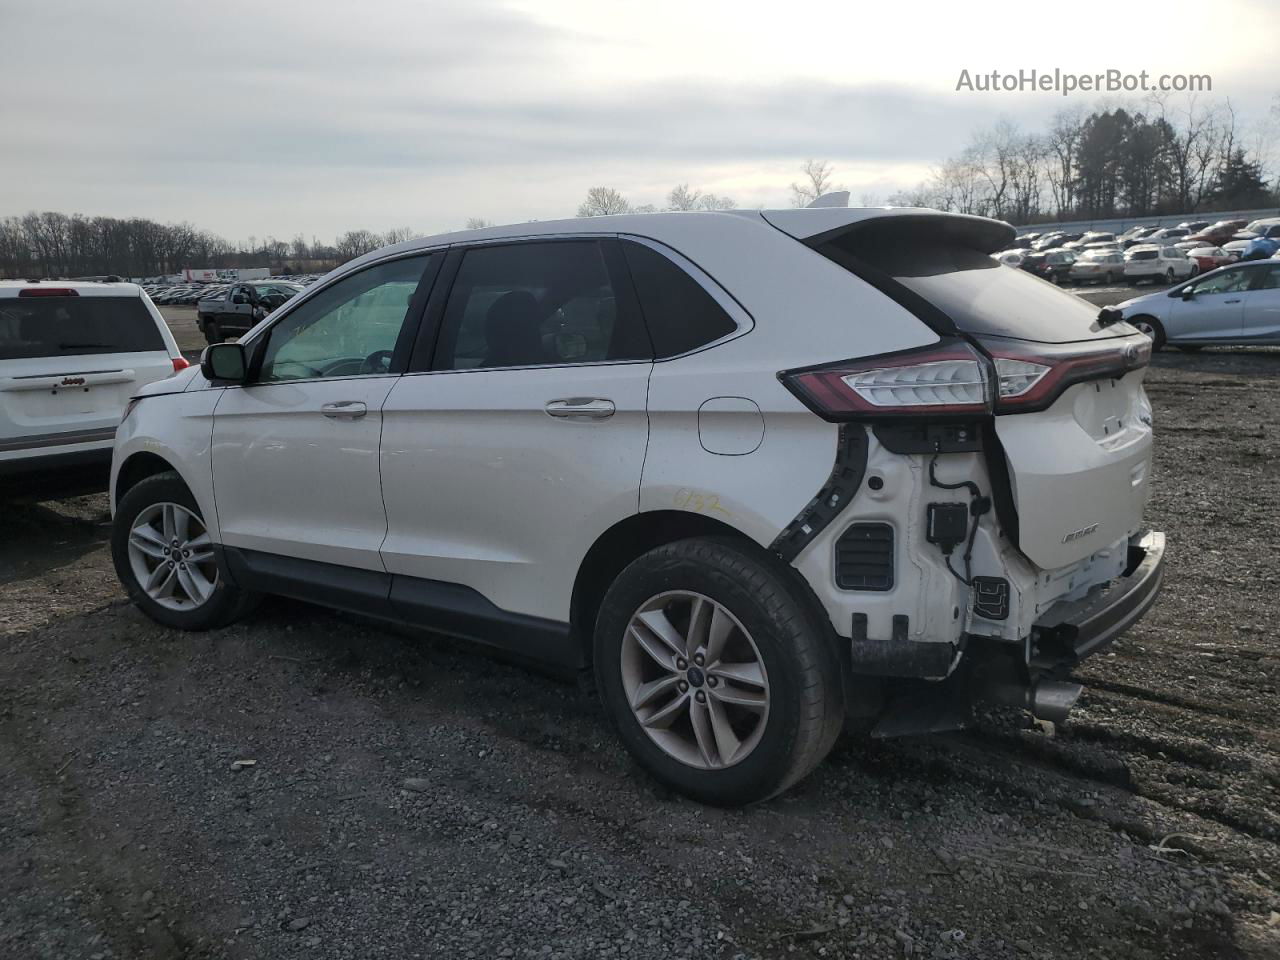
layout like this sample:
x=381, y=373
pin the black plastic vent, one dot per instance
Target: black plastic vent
x=864, y=557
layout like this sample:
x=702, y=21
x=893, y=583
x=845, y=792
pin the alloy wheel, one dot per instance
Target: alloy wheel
x=171, y=556
x=695, y=680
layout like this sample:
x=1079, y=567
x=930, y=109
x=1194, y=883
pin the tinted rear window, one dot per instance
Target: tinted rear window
x=1143, y=255
x=977, y=294
x=75, y=326
x=680, y=314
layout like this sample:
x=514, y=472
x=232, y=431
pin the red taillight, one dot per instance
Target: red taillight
x=1031, y=376
x=947, y=379
x=180, y=363
x=48, y=292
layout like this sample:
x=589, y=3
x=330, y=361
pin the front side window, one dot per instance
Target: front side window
x=532, y=304
x=349, y=329
x=1232, y=281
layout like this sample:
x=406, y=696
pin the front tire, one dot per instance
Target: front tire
x=717, y=671
x=164, y=558
x=1152, y=328
x=212, y=332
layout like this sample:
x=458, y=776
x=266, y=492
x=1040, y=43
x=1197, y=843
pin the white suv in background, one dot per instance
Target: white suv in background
x=71, y=356
x=760, y=471
x=1150, y=261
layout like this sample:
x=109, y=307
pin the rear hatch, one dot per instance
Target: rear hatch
x=69, y=363
x=1077, y=441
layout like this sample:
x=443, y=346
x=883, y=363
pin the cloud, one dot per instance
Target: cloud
x=283, y=118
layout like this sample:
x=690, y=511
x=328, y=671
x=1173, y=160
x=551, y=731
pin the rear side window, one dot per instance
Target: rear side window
x=680, y=314
x=977, y=294
x=537, y=304
x=75, y=326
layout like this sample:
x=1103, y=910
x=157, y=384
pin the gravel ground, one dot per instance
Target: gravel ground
x=408, y=798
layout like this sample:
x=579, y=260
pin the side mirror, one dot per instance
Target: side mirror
x=1187, y=293
x=224, y=362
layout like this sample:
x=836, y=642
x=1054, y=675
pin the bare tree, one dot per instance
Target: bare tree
x=1062, y=147
x=817, y=181
x=478, y=223
x=602, y=201
x=682, y=198
x=399, y=235
x=355, y=243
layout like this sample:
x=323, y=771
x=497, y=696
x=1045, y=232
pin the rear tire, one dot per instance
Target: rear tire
x=177, y=583
x=779, y=698
x=1152, y=328
x=1168, y=276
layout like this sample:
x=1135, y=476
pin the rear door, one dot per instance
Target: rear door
x=69, y=363
x=295, y=451
x=515, y=443
x=1261, y=323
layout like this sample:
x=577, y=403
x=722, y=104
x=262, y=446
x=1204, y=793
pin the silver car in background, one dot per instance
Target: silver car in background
x=1234, y=305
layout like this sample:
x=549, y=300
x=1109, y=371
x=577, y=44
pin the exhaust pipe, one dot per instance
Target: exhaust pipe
x=1050, y=700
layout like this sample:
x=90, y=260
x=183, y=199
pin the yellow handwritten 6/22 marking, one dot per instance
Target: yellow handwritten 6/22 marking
x=699, y=502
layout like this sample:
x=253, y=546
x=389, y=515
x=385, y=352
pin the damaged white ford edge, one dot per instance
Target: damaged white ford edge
x=758, y=473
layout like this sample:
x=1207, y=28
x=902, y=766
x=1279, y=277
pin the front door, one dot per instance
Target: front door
x=524, y=440
x=1214, y=312
x=295, y=451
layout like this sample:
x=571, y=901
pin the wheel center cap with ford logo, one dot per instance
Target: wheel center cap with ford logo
x=696, y=677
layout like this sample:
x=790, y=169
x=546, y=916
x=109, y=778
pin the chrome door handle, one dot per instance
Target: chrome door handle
x=344, y=410
x=1236, y=300
x=581, y=408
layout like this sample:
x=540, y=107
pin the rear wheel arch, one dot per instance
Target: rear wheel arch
x=635, y=536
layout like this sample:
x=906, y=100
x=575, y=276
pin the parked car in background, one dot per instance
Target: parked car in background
x=1011, y=257
x=1135, y=235
x=1093, y=236
x=71, y=356
x=1233, y=305
x=240, y=306
x=1193, y=226
x=1155, y=263
x=697, y=454
x=1236, y=248
x=1266, y=227
x=1210, y=258
x=1218, y=233
x=1098, y=266
x=1051, y=265
x=1260, y=247
x=1166, y=235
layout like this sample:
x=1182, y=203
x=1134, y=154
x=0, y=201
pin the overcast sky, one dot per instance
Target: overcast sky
x=315, y=117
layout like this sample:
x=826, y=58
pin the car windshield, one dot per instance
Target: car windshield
x=75, y=326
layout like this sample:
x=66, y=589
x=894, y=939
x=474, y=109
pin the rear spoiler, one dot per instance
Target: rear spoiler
x=815, y=227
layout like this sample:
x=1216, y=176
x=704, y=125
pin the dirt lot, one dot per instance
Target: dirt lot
x=411, y=799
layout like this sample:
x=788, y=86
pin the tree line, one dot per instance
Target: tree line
x=1166, y=156
x=54, y=244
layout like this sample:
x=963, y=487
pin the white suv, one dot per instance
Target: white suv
x=1154, y=262
x=71, y=355
x=761, y=471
